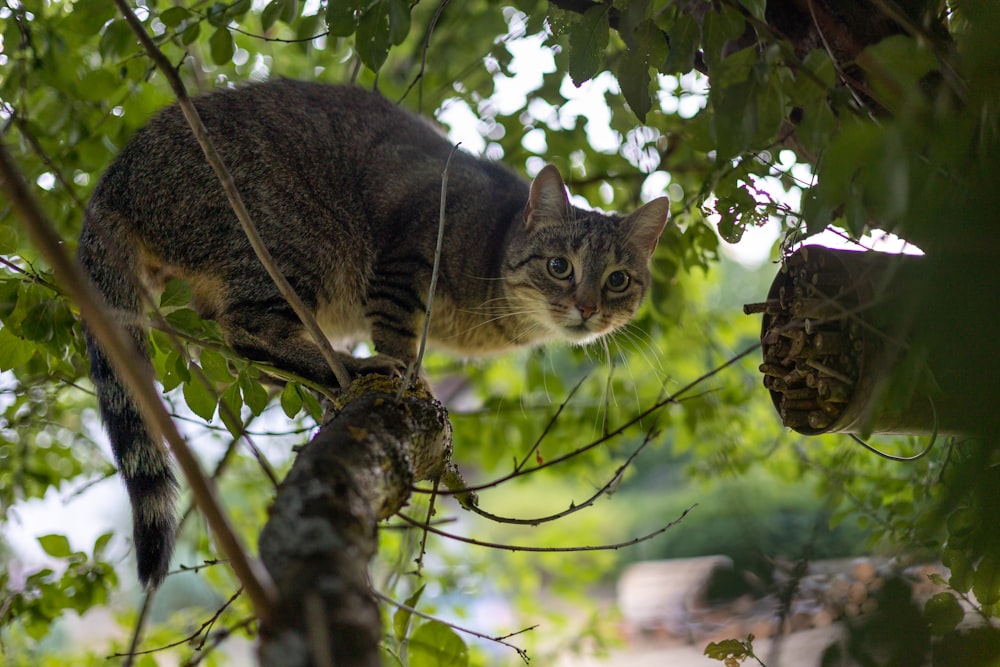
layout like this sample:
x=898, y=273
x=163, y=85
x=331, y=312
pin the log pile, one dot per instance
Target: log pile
x=829, y=591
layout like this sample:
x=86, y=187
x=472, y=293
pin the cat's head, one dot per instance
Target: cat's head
x=576, y=275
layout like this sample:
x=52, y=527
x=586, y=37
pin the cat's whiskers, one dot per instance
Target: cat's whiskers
x=635, y=384
x=535, y=326
x=530, y=315
x=609, y=390
x=643, y=344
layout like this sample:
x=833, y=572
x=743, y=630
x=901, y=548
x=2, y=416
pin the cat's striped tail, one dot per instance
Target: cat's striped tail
x=143, y=462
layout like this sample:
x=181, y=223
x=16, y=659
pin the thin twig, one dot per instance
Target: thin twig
x=233, y=195
x=475, y=633
x=423, y=57
x=140, y=623
x=660, y=404
x=548, y=426
x=521, y=547
x=122, y=352
x=574, y=507
x=414, y=370
x=202, y=632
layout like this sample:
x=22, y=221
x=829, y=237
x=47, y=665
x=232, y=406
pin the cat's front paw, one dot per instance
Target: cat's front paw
x=382, y=364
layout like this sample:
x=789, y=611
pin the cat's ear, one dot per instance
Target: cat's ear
x=547, y=201
x=646, y=224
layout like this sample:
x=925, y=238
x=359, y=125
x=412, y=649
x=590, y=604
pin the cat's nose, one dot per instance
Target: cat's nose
x=586, y=310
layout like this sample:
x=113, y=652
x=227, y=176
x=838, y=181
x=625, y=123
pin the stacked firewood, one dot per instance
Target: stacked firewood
x=828, y=592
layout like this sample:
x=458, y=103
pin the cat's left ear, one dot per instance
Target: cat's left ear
x=547, y=201
x=646, y=224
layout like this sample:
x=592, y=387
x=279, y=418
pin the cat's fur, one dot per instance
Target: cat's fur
x=344, y=187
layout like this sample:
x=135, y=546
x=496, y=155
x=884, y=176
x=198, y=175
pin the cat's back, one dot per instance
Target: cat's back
x=278, y=132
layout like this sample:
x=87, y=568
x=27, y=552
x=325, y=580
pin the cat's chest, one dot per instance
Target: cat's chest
x=342, y=318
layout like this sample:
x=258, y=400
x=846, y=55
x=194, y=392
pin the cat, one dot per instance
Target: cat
x=344, y=187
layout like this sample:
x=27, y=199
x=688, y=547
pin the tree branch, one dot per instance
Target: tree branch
x=122, y=352
x=322, y=530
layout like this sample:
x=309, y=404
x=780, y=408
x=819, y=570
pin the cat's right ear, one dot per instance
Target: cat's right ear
x=547, y=201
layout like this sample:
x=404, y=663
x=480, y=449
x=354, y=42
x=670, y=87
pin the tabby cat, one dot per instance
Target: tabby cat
x=345, y=189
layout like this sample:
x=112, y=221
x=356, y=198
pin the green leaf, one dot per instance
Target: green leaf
x=401, y=619
x=720, y=29
x=9, y=290
x=649, y=49
x=175, y=293
x=943, y=612
x=685, y=35
x=215, y=366
x=896, y=65
x=8, y=240
x=727, y=648
x=173, y=370
x=308, y=27
x=98, y=85
x=89, y=16
x=100, y=544
x=14, y=351
x=254, y=394
x=217, y=15
x=399, y=21
x=221, y=46
x=199, y=397
x=186, y=321
x=174, y=16
x=291, y=399
x=56, y=546
x=342, y=16
x=986, y=580
x=38, y=323
x=233, y=404
x=191, y=33
x=734, y=121
x=117, y=40
x=372, y=38
x=312, y=404
x=587, y=42
x=289, y=11
x=271, y=14
x=434, y=644
x=238, y=9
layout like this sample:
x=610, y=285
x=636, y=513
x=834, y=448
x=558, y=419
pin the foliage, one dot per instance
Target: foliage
x=732, y=652
x=901, y=135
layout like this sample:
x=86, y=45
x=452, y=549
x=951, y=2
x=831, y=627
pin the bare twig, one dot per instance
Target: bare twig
x=122, y=352
x=474, y=633
x=414, y=370
x=548, y=426
x=423, y=56
x=659, y=405
x=233, y=195
x=521, y=547
x=201, y=632
x=574, y=507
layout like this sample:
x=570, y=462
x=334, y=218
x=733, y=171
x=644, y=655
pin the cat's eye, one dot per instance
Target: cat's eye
x=560, y=268
x=618, y=281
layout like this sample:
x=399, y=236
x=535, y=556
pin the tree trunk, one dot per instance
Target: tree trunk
x=358, y=470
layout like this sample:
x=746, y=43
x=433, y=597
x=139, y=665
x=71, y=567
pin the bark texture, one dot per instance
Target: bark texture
x=322, y=529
